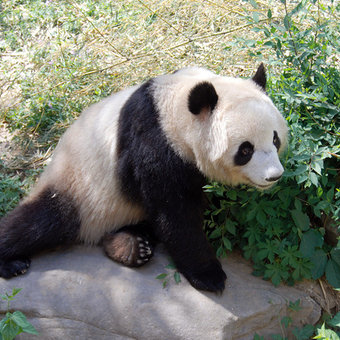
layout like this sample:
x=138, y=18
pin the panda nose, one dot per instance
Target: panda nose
x=273, y=179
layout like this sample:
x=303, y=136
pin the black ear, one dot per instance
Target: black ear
x=202, y=96
x=260, y=77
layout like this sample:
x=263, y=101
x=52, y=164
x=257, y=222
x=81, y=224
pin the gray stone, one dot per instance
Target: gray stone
x=78, y=293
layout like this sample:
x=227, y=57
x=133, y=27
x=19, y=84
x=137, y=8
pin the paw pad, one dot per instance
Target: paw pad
x=127, y=248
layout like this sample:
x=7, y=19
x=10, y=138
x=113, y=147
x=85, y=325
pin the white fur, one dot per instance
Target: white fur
x=83, y=165
x=210, y=140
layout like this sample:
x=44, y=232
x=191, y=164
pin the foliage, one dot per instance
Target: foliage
x=14, y=323
x=283, y=230
x=165, y=277
x=328, y=330
x=11, y=190
x=12, y=187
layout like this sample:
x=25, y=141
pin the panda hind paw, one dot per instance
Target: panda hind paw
x=127, y=248
x=12, y=268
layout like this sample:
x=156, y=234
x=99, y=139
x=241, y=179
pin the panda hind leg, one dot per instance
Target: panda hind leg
x=132, y=245
x=40, y=223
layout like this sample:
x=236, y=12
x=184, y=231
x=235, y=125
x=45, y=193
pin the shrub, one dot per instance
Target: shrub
x=283, y=230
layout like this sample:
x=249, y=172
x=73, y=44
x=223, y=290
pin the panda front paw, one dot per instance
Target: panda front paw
x=130, y=249
x=211, y=278
x=14, y=267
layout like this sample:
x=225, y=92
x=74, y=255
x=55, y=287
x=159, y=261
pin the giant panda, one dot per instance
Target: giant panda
x=129, y=172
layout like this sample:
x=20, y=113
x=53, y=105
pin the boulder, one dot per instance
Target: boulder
x=79, y=293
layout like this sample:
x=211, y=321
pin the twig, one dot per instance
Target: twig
x=239, y=28
x=325, y=296
x=225, y=8
x=320, y=126
x=334, y=155
x=98, y=31
x=158, y=15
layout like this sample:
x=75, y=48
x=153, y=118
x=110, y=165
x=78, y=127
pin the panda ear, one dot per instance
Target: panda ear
x=202, y=96
x=260, y=77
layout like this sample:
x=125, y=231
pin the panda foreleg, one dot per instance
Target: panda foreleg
x=180, y=229
x=40, y=223
x=132, y=245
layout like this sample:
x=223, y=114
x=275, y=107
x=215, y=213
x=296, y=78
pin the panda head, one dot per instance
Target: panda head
x=228, y=127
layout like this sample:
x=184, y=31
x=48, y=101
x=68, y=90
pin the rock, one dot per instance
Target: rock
x=79, y=293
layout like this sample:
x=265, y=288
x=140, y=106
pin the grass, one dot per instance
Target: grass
x=58, y=57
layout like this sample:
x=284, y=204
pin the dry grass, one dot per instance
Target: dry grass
x=121, y=43
x=71, y=53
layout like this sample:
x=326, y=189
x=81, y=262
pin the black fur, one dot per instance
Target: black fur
x=244, y=153
x=45, y=222
x=276, y=141
x=260, y=77
x=202, y=96
x=169, y=189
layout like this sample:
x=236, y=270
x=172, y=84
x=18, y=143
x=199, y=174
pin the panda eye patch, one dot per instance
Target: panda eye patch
x=276, y=140
x=244, y=153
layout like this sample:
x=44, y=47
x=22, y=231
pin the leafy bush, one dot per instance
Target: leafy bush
x=11, y=190
x=283, y=230
x=13, y=187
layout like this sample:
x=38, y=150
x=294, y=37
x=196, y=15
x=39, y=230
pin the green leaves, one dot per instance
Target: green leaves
x=282, y=231
x=312, y=247
x=269, y=14
x=15, y=323
x=8, y=328
x=305, y=333
x=333, y=273
x=319, y=260
x=10, y=297
x=326, y=334
x=335, y=321
x=11, y=190
x=333, y=268
x=276, y=272
x=300, y=219
x=310, y=241
x=165, y=277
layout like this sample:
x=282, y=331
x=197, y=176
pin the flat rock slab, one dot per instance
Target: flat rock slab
x=78, y=293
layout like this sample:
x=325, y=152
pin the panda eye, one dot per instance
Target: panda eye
x=276, y=141
x=244, y=153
